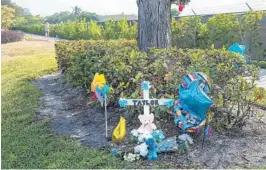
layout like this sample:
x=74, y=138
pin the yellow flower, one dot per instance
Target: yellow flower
x=168, y=76
x=259, y=16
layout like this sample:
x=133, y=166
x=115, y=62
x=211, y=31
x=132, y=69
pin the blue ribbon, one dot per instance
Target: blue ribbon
x=169, y=103
x=145, y=85
x=122, y=102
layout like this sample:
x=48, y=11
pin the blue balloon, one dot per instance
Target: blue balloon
x=193, y=101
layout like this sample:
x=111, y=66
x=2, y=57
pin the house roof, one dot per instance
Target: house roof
x=104, y=18
x=234, y=8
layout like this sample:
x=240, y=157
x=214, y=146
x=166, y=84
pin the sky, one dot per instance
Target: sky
x=109, y=7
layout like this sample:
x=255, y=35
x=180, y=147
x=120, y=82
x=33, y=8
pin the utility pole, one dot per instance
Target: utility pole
x=193, y=11
x=249, y=7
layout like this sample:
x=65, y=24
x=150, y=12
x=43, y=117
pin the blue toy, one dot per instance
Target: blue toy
x=152, y=154
x=167, y=145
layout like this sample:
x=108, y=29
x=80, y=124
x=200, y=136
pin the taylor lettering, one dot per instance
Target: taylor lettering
x=145, y=102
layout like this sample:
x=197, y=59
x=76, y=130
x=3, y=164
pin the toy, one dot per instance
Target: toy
x=152, y=154
x=147, y=125
x=100, y=90
x=167, y=145
x=98, y=80
x=120, y=131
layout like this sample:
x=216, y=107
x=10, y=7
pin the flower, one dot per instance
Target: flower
x=142, y=149
x=134, y=132
x=131, y=157
x=115, y=151
x=260, y=97
x=260, y=16
x=144, y=136
x=141, y=138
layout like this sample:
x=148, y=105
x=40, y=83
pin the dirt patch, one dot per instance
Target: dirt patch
x=71, y=112
x=76, y=116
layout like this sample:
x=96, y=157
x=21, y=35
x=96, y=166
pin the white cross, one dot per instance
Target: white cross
x=146, y=102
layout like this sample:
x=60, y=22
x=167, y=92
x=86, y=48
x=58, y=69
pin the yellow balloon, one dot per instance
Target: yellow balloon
x=120, y=131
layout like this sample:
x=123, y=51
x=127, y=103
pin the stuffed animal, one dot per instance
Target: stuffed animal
x=147, y=125
x=152, y=154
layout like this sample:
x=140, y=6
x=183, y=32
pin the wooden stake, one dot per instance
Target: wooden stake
x=105, y=112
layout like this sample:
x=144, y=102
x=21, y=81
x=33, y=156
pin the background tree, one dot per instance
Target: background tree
x=34, y=19
x=19, y=11
x=123, y=28
x=154, y=23
x=19, y=21
x=109, y=31
x=88, y=16
x=68, y=16
x=22, y=16
x=7, y=15
x=5, y=2
x=94, y=30
x=60, y=17
x=76, y=11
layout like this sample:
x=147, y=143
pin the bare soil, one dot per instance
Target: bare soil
x=74, y=114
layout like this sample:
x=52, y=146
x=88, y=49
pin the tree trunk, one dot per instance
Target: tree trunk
x=154, y=24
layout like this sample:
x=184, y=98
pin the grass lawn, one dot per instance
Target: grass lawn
x=26, y=141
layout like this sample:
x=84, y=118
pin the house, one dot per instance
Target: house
x=130, y=18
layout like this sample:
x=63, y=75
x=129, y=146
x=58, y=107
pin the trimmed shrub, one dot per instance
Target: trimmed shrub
x=125, y=68
x=261, y=64
x=65, y=50
x=11, y=36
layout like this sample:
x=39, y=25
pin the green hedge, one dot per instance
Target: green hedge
x=221, y=30
x=125, y=67
x=187, y=32
x=77, y=30
x=261, y=64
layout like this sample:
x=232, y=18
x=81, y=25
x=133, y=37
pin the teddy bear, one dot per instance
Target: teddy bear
x=152, y=154
x=147, y=125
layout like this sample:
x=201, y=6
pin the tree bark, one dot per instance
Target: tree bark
x=154, y=24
